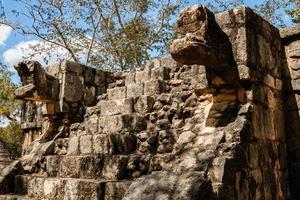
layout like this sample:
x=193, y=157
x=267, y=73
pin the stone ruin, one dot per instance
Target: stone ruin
x=217, y=120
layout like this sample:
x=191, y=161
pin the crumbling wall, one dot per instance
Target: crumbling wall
x=216, y=121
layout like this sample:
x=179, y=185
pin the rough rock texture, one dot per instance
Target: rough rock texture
x=291, y=64
x=219, y=121
x=5, y=158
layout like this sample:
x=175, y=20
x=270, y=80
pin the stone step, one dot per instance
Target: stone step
x=14, y=197
x=114, y=143
x=101, y=167
x=72, y=188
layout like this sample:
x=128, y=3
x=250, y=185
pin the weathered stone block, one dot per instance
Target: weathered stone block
x=82, y=189
x=52, y=165
x=134, y=122
x=81, y=167
x=71, y=66
x=73, y=89
x=61, y=146
x=101, y=144
x=89, y=96
x=36, y=188
x=116, y=190
x=154, y=87
x=135, y=90
x=142, y=76
x=37, y=84
x=130, y=78
x=111, y=124
x=167, y=185
x=21, y=184
x=113, y=107
x=144, y=104
x=73, y=148
x=100, y=77
x=115, y=167
x=122, y=143
x=116, y=93
x=52, y=188
x=89, y=75
x=86, y=144
x=91, y=124
x=161, y=73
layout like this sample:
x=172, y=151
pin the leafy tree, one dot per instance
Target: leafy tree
x=221, y=5
x=112, y=34
x=9, y=112
x=293, y=9
x=12, y=136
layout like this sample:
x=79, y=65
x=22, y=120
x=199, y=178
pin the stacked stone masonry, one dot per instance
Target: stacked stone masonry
x=219, y=120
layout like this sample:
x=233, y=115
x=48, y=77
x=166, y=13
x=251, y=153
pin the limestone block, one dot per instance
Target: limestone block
x=100, y=77
x=294, y=68
x=61, y=146
x=123, y=143
x=154, y=87
x=116, y=93
x=73, y=148
x=116, y=190
x=89, y=167
x=295, y=85
x=113, y=107
x=134, y=122
x=89, y=75
x=101, y=144
x=52, y=188
x=91, y=124
x=168, y=185
x=111, y=124
x=142, y=76
x=37, y=84
x=72, y=66
x=73, y=88
x=89, y=96
x=130, y=78
x=161, y=73
x=86, y=144
x=78, y=189
x=294, y=50
x=52, y=165
x=114, y=167
x=244, y=72
x=135, y=90
x=21, y=184
x=144, y=104
x=216, y=171
x=36, y=188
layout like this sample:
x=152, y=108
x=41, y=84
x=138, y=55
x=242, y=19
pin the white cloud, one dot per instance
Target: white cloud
x=46, y=54
x=5, y=32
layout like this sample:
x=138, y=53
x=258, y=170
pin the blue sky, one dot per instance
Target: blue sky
x=11, y=42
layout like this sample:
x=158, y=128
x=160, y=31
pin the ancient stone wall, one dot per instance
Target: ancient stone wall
x=291, y=55
x=216, y=121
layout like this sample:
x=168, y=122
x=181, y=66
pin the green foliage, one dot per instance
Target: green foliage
x=9, y=111
x=293, y=9
x=11, y=136
x=9, y=107
x=112, y=34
